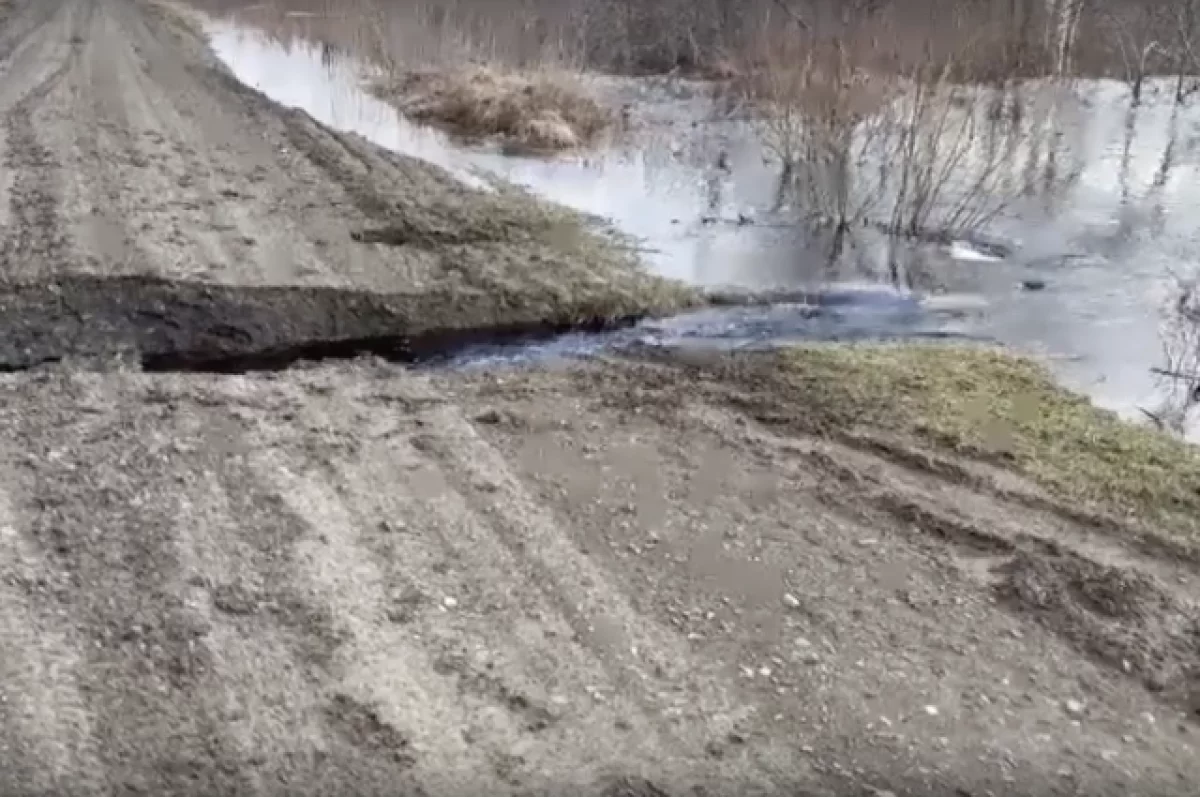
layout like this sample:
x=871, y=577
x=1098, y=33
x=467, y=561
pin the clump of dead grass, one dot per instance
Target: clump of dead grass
x=541, y=110
x=987, y=403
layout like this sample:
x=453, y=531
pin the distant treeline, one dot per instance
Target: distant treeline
x=987, y=39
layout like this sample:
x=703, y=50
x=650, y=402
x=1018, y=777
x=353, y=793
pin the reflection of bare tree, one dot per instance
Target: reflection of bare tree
x=1131, y=119
x=1179, y=380
x=1065, y=152
x=1034, y=141
x=1154, y=196
x=713, y=189
x=1006, y=132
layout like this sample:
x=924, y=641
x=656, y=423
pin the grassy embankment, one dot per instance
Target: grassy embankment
x=985, y=405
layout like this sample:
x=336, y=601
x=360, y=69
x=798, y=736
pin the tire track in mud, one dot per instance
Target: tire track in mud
x=285, y=545
x=147, y=200
x=1129, y=611
x=104, y=162
x=115, y=529
x=646, y=664
x=869, y=621
x=380, y=669
x=1132, y=613
x=1076, y=576
x=1123, y=619
x=493, y=685
x=417, y=561
x=46, y=734
x=173, y=207
x=274, y=641
x=35, y=234
x=16, y=23
x=288, y=231
x=204, y=669
x=41, y=39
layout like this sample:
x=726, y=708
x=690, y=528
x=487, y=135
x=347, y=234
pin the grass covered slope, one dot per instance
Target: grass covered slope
x=986, y=405
x=1003, y=408
x=534, y=260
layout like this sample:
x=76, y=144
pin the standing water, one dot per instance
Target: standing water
x=1095, y=243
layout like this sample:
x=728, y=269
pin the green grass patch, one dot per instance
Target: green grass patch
x=996, y=406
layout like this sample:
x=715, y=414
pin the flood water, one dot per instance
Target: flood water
x=1098, y=225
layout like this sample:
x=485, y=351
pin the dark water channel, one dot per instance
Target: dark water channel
x=1080, y=263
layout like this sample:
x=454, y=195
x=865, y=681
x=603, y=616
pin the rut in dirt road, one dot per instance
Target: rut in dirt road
x=616, y=577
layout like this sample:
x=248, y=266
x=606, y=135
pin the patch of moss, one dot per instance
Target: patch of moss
x=990, y=404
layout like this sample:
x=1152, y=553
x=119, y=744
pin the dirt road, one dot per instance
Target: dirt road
x=616, y=578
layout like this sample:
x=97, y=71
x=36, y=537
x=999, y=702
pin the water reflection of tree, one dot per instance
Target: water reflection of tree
x=1155, y=194
x=1179, y=379
x=1136, y=203
x=1124, y=215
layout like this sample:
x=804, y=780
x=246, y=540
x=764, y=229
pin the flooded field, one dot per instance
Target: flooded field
x=1082, y=264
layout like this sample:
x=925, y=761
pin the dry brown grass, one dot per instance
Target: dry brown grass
x=476, y=74
x=537, y=110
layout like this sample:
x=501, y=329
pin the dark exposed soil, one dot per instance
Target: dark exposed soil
x=169, y=325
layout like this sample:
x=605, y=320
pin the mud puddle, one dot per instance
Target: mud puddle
x=1092, y=250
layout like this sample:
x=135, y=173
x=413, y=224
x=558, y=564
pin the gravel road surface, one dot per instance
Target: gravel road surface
x=619, y=578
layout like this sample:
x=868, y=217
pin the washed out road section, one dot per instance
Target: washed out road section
x=185, y=325
x=618, y=577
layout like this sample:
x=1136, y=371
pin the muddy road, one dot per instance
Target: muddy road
x=227, y=568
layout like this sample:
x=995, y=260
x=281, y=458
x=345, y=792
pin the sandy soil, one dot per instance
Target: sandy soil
x=612, y=578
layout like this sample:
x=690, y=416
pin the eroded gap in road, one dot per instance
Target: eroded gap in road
x=171, y=325
x=428, y=347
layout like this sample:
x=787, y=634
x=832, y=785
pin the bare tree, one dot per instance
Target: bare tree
x=1062, y=25
x=1137, y=29
x=1187, y=48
